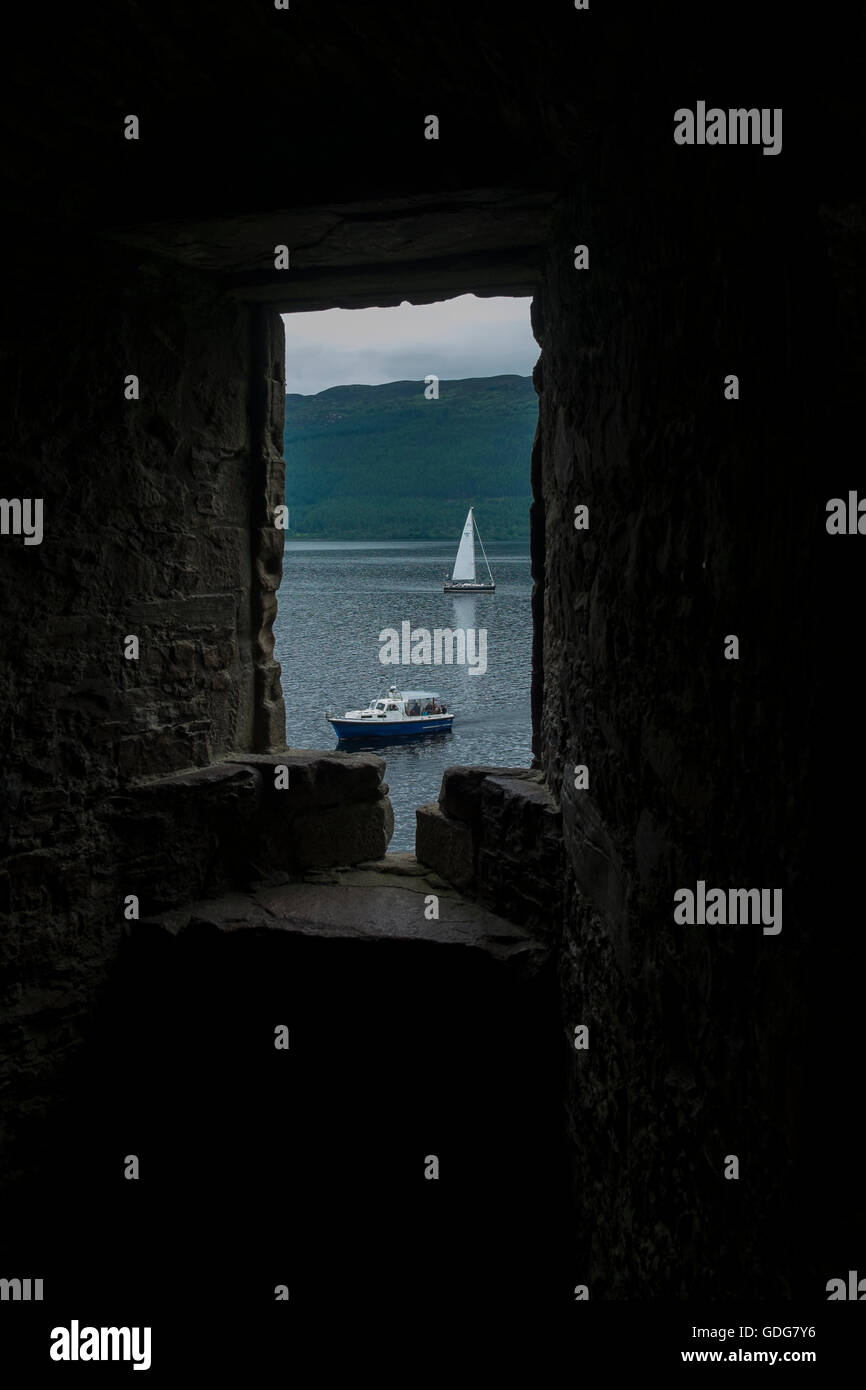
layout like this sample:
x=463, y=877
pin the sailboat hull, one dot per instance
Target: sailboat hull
x=452, y=587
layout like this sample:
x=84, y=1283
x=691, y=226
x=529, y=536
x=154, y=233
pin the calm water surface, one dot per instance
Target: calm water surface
x=335, y=599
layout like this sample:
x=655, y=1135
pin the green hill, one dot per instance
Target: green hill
x=383, y=462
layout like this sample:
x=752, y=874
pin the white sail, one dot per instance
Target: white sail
x=464, y=565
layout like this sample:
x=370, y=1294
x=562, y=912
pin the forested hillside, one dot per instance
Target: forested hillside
x=383, y=462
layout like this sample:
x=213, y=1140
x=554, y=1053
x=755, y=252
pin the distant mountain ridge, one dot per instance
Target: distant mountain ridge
x=383, y=462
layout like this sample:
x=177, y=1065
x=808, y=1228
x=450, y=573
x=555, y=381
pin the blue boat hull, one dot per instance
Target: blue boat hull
x=390, y=729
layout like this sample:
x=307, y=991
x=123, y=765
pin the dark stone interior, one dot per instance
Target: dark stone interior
x=706, y=518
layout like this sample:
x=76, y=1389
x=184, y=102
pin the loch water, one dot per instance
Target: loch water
x=335, y=599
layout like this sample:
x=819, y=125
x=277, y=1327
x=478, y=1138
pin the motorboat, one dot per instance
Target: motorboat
x=399, y=714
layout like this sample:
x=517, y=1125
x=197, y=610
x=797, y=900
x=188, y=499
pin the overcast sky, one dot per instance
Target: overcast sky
x=461, y=337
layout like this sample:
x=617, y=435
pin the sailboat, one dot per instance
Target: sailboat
x=464, y=579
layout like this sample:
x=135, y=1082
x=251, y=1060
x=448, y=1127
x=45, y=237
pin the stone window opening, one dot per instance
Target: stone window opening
x=430, y=818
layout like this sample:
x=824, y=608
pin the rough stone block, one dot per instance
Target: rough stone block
x=316, y=778
x=460, y=794
x=445, y=845
x=327, y=835
x=184, y=835
x=223, y=784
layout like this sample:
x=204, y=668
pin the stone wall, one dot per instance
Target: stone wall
x=706, y=518
x=150, y=515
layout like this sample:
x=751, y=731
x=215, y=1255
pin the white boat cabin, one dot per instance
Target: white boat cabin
x=401, y=705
